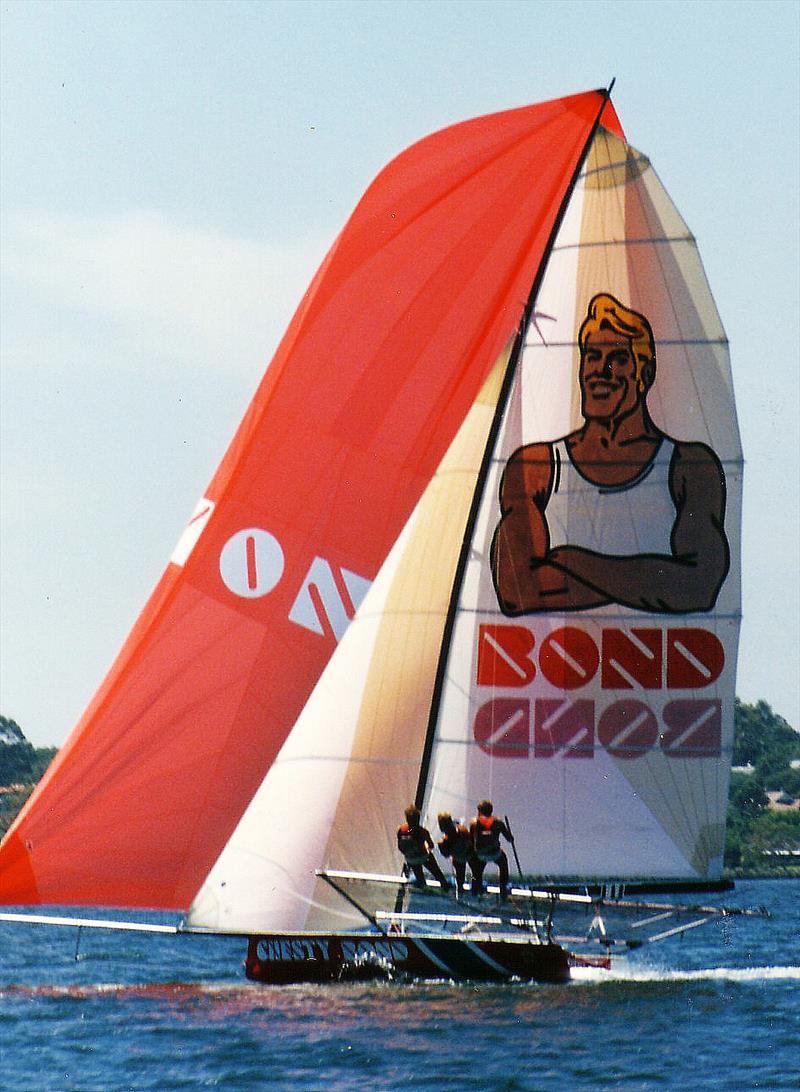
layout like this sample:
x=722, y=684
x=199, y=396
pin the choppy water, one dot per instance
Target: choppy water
x=717, y=1010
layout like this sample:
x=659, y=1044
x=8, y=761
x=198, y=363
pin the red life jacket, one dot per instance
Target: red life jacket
x=457, y=844
x=412, y=843
x=487, y=838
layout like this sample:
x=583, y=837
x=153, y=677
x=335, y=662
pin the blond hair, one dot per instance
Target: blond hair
x=607, y=313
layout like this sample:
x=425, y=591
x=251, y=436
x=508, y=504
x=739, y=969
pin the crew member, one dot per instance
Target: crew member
x=457, y=845
x=416, y=845
x=485, y=830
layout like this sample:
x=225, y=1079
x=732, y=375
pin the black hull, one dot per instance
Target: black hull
x=328, y=957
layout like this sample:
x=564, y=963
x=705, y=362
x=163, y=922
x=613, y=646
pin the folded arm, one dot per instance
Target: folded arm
x=525, y=578
x=689, y=578
x=530, y=577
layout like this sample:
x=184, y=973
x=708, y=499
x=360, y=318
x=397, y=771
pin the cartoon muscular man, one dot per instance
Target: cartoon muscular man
x=615, y=512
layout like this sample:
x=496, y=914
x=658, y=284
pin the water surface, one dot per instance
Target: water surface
x=719, y=1009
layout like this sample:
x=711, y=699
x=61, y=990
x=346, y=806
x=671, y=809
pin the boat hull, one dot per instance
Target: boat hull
x=317, y=957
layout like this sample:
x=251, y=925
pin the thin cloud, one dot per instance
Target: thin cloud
x=197, y=293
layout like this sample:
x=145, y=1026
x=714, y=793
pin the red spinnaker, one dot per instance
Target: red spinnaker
x=385, y=355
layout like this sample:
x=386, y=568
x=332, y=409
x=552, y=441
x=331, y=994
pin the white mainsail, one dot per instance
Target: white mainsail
x=604, y=733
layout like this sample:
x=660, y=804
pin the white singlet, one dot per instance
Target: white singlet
x=623, y=520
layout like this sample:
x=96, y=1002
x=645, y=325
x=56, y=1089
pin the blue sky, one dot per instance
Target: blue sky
x=172, y=173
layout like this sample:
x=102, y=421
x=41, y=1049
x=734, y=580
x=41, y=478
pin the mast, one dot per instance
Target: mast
x=502, y=404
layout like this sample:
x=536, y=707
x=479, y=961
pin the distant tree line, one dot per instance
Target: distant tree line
x=766, y=741
x=21, y=766
x=755, y=835
x=20, y=761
